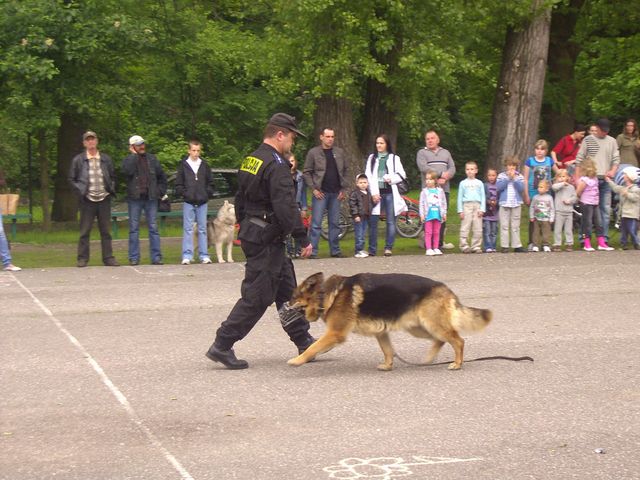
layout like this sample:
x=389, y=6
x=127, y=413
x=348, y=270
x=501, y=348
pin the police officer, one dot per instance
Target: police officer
x=267, y=211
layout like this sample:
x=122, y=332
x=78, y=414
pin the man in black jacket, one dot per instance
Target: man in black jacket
x=194, y=185
x=146, y=184
x=267, y=210
x=92, y=176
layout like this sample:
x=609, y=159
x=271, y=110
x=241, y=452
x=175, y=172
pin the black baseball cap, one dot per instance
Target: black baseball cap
x=286, y=121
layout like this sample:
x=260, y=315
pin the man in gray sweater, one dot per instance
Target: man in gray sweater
x=603, y=149
x=437, y=159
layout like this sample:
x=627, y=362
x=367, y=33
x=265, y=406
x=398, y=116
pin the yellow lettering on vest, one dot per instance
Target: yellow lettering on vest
x=251, y=165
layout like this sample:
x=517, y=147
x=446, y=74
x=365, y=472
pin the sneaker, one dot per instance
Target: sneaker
x=546, y=248
x=361, y=254
x=387, y=252
x=337, y=255
x=569, y=248
x=589, y=248
x=556, y=248
x=11, y=268
x=185, y=261
x=82, y=263
x=476, y=250
x=534, y=249
x=111, y=262
x=530, y=248
x=624, y=247
x=437, y=251
x=429, y=252
x=133, y=263
x=520, y=250
x=157, y=262
x=448, y=246
x=206, y=261
x=605, y=248
x=504, y=250
x=466, y=250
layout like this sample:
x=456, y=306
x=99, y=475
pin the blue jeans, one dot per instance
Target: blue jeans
x=605, y=206
x=629, y=228
x=489, y=233
x=360, y=228
x=150, y=208
x=5, y=255
x=386, y=204
x=194, y=214
x=330, y=203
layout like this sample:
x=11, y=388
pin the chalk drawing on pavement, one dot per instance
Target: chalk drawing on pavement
x=385, y=468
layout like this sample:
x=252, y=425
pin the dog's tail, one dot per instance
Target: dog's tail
x=469, y=319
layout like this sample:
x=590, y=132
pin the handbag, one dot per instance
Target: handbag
x=164, y=205
x=403, y=186
x=9, y=203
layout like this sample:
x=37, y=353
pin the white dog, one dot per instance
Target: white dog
x=221, y=230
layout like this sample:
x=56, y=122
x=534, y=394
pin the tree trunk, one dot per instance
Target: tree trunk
x=337, y=113
x=518, y=99
x=378, y=118
x=43, y=157
x=558, y=111
x=65, y=201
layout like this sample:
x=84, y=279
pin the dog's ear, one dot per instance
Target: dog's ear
x=315, y=281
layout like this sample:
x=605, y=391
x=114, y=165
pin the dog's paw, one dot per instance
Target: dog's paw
x=384, y=367
x=455, y=366
x=296, y=361
x=230, y=260
x=222, y=261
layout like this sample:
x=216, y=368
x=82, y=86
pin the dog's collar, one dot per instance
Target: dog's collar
x=321, y=307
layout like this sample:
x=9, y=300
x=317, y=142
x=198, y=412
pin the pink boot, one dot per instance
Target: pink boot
x=602, y=245
x=587, y=245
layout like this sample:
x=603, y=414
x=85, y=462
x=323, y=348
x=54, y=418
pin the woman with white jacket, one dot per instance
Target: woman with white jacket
x=384, y=171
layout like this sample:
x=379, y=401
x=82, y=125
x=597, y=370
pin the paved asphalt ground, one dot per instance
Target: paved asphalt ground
x=103, y=376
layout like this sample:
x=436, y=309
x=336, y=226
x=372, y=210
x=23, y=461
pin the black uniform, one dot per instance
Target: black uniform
x=267, y=211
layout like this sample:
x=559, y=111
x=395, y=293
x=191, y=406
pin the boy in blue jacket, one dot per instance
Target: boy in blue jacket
x=510, y=188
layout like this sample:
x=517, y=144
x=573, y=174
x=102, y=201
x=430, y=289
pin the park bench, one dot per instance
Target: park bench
x=162, y=216
x=14, y=220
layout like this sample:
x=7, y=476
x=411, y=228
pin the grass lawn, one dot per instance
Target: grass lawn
x=34, y=248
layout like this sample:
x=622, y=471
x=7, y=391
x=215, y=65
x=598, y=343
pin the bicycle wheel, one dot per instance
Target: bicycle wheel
x=343, y=223
x=408, y=224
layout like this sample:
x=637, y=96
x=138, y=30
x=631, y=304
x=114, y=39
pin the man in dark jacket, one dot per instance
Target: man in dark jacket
x=325, y=173
x=267, y=211
x=146, y=184
x=92, y=176
x=194, y=185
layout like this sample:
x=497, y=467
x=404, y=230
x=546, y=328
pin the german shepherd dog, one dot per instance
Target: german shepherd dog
x=376, y=304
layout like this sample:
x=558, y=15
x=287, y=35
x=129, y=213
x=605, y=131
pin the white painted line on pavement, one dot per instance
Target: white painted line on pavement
x=133, y=416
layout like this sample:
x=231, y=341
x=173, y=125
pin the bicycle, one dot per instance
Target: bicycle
x=408, y=223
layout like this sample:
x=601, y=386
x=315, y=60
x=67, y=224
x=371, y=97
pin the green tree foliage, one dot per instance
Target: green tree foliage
x=608, y=67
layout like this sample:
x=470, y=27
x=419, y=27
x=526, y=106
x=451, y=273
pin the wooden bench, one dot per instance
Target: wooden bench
x=14, y=219
x=162, y=216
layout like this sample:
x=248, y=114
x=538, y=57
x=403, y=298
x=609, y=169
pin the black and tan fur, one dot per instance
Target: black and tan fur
x=376, y=304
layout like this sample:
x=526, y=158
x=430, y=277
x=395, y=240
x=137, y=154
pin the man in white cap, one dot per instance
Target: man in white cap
x=146, y=184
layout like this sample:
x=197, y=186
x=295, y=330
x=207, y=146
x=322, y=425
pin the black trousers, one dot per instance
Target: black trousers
x=269, y=276
x=88, y=211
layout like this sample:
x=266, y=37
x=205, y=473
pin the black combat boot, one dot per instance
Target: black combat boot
x=227, y=358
